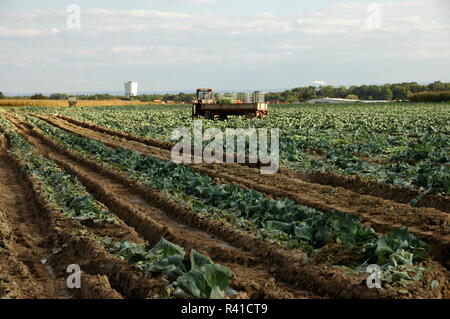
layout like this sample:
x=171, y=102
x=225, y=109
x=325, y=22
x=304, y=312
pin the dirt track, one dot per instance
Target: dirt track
x=429, y=224
x=30, y=231
x=21, y=235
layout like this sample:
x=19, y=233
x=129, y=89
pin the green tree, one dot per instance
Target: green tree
x=341, y=92
x=308, y=93
x=183, y=97
x=169, y=97
x=58, y=96
x=352, y=97
x=292, y=99
x=438, y=86
x=38, y=96
x=387, y=94
x=400, y=92
x=327, y=91
x=375, y=92
x=414, y=87
x=2, y=96
x=272, y=96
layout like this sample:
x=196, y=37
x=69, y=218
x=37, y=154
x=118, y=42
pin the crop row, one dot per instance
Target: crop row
x=405, y=145
x=197, y=277
x=323, y=237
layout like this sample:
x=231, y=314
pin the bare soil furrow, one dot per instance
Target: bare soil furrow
x=31, y=230
x=22, y=237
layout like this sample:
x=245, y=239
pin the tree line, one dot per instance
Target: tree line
x=396, y=91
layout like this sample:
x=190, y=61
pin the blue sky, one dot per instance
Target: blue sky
x=224, y=44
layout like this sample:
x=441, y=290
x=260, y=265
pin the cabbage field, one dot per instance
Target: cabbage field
x=358, y=185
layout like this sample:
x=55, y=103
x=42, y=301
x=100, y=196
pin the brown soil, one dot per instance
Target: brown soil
x=30, y=231
x=362, y=186
x=22, y=273
x=429, y=224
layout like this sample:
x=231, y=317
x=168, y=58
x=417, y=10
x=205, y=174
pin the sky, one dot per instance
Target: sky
x=179, y=45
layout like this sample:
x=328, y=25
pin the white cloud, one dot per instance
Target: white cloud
x=295, y=47
x=183, y=22
x=396, y=17
x=186, y=1
x=122, y=28
x=144, y=14
x=157, y=54
x=32, y=14
x=262, y=56
x=9, y=32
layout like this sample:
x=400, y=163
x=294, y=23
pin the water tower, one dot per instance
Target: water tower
x=131, y=89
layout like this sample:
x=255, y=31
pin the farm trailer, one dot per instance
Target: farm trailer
x=207, y=105
x=72, y=101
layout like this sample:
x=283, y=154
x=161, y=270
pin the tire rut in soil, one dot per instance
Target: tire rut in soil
x=22, y=236
x=152, y=223
x=426, y=223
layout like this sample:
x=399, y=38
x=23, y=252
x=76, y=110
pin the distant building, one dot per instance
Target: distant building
x=131, y=89
x=330, y=100
x=338, y=100
x=374, y=101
